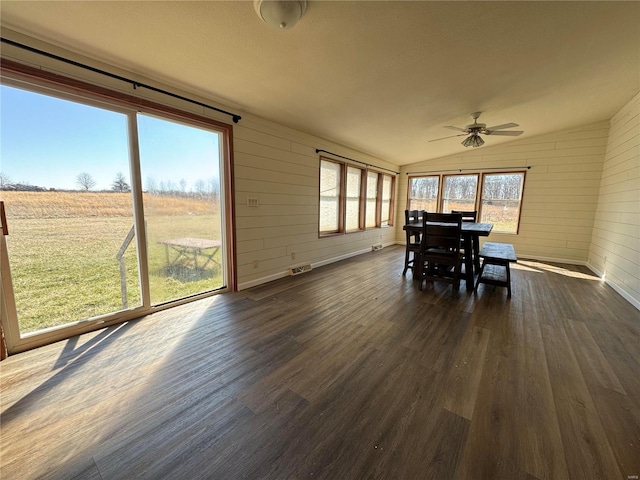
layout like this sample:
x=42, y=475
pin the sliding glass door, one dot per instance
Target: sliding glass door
x=111, y=212
x=180, y=169
x=70, y=242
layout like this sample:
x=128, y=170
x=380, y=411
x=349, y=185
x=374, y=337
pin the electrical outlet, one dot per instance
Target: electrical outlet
x=293, y=255
x=255, y=264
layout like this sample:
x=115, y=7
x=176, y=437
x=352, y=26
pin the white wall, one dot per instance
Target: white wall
x=615, y=247
x=280, y=167
x=560, y=192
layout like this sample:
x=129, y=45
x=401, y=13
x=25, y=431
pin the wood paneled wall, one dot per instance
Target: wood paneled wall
x=560, y=194
x=615, y=248
x=279, y=167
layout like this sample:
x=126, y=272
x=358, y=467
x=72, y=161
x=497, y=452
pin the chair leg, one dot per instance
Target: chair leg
x=406, y=262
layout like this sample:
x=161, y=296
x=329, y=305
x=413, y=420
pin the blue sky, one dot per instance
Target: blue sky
x=48, y=142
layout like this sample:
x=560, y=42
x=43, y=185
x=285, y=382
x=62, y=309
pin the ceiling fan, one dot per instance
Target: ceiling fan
x=473, y=130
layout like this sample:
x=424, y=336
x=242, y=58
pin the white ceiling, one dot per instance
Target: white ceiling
x=380, y=77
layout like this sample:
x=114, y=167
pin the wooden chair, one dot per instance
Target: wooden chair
x=468, y=216
x=412, y=249
x=440, y=248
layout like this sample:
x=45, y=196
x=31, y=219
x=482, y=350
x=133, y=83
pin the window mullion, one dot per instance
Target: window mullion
x=138, y=209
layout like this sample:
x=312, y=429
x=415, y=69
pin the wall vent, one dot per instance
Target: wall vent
x=298, y=269
x=375, y=248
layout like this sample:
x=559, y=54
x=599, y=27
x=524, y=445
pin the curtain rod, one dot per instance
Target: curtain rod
x=357, y=161
x=236, y=118
x=528, y=167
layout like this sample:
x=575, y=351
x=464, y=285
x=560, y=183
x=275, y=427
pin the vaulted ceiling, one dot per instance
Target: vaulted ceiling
x=380, y=77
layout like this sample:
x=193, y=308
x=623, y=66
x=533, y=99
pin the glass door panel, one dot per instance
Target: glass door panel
x=66, y=187
x=181, y=170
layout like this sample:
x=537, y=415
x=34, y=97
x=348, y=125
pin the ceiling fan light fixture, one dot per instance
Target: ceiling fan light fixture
x=473, y=140
x=280, y=14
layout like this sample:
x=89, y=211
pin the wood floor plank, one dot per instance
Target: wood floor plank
x=348, y=371
x=514, y=412
x=593, y=364
x=620, y=418
x=462, y=387
x=579, y=422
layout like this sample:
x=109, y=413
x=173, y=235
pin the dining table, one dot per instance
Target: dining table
x=471, y=233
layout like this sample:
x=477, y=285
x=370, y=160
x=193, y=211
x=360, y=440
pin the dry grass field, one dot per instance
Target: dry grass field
x=95, y=204
x=63, y=246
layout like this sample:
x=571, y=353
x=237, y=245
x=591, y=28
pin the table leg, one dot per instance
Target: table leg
x=468, y=262
x=476, y=251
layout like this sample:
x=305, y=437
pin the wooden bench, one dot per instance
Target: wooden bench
x=496, y=258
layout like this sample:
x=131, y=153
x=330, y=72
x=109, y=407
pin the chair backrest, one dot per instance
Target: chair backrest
x=412, y=216
x=467, y=216
x=441, y=231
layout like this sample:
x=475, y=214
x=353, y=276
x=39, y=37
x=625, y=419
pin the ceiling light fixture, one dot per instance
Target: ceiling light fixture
x=280, y=14
x=473, y=141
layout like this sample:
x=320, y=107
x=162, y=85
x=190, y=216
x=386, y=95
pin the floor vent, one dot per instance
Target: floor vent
x=297, y=270
x=375, y=248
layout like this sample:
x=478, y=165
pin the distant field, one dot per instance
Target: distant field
x=91, y=204
x=504, y=218
x=63, y=246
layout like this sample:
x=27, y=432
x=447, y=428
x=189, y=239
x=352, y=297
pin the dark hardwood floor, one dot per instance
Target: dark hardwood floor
x=345, y=372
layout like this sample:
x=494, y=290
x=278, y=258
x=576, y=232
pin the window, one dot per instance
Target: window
x=386, y=210
x=501, y=197
x=459, y=192
x=330, y=178
x=353, y=198
x=423, y=193
x=354, y=186
x=500, y=202
x=372, y=199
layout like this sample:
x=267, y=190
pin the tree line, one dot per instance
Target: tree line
x=496, y=187
x=200, y=187
x=86, y=182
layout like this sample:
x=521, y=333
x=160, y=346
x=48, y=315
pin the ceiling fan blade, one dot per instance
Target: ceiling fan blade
x=502, y=127
x=451, y=136
x=456, y=128
x=508, y=133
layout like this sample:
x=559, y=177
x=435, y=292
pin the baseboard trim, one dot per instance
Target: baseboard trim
x=285, y=273
x=622, y=292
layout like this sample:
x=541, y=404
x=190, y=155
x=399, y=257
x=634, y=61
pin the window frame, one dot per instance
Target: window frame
x=341, y=188
x=409, y=190
x=478, y=203
x=361, y=194
x=481, y=199
x=362, y=204
x=376, y=213
x=443, y=183
x=392, y=208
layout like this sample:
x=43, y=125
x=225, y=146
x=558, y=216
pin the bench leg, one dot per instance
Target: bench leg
x=508, y=281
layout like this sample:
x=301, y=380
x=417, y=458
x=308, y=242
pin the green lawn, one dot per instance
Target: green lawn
x=65, y=269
